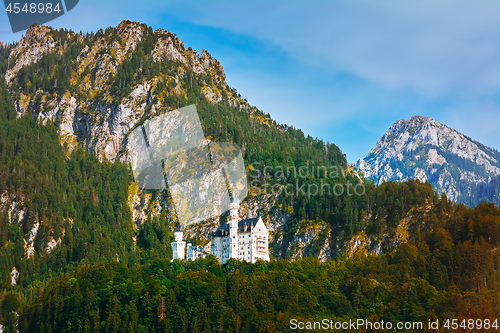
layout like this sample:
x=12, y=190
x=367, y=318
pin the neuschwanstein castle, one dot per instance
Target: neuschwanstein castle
x=239, y=239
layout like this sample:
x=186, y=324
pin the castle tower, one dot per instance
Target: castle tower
x=178, y=246
x=233, y=220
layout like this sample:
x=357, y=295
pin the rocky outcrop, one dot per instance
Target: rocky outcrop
x=30, y=49
x=15, y=206
x=14, y=275
x=100, y=123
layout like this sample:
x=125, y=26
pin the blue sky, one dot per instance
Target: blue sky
x=342, y=71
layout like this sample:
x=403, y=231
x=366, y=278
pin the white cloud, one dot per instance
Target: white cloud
x=435, y=47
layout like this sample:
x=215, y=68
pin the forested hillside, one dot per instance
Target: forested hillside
x=449, y=272
x=95, y=88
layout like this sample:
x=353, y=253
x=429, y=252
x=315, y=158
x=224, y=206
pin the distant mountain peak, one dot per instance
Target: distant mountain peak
x=423, y=148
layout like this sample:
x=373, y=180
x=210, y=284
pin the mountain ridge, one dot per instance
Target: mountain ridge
x=96, y=68
x=96, y=87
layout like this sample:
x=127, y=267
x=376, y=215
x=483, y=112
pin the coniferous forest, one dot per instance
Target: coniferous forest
x=106, y=273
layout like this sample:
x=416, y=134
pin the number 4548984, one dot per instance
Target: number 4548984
x=471, y=324
x=32, y=8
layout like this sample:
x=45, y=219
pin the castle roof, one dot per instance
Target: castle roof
x=223, y=230
x=178, y=229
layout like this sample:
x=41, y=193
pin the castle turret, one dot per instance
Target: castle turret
x=233, y=220
x=178, y=246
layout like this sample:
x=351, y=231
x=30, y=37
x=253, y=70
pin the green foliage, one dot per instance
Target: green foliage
x=79, y=202
x=195, y=297
x=97, y=280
